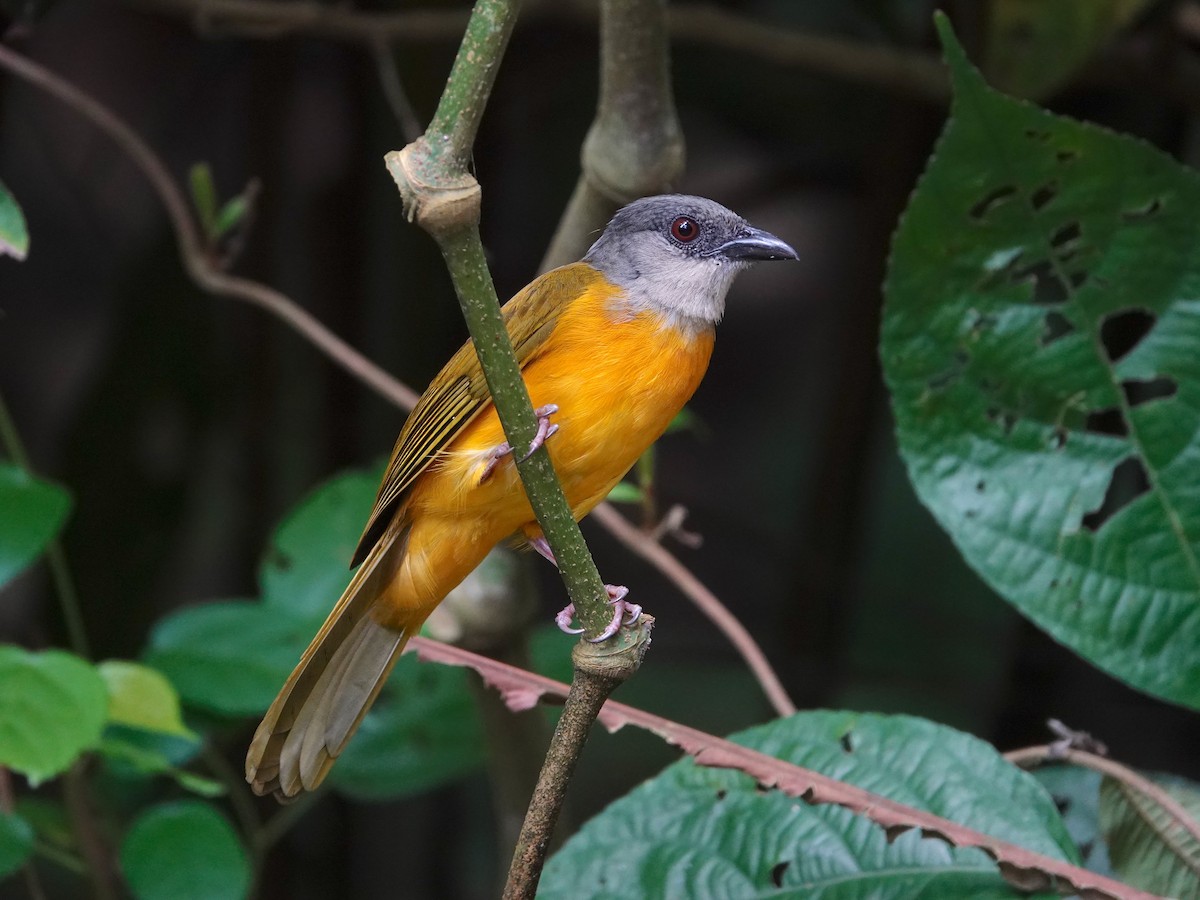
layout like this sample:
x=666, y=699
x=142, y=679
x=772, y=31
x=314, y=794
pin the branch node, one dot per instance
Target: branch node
x=618, y=658
x=439, y=203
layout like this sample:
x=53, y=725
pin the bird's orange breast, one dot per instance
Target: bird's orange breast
x=618, y=378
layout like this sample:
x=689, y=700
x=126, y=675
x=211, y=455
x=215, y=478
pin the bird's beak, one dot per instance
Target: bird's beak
x=753, y=244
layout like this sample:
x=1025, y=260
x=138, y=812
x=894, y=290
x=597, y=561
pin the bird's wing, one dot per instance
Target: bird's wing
x=459, y=393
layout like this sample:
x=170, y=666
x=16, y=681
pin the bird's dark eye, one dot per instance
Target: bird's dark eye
x=685, y=229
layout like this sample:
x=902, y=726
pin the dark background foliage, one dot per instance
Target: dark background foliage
x=186, y=426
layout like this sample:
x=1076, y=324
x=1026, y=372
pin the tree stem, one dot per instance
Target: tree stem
x=635, y=145
x=588, y=693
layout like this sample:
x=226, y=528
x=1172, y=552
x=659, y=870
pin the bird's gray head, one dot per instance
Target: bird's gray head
x=678, y=255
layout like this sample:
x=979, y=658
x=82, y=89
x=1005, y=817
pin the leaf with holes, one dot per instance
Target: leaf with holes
x=1040, y=343
x=698, y=832
x=1151, y=848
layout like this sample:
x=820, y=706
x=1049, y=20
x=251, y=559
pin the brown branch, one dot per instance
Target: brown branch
x=912, y=73
x=705, y=600
x=270, y=19
x=1032, y=757
x=584, y=699
x=907, y=72
x=192, y=249
x=1028, y=870
x=88, y=836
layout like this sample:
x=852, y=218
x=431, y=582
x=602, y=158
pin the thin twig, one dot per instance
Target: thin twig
x=269, y=19
x=56, y=559
x=64, y=859
x=1033, y=757
x=892, y=69
x=243, y=806
x=704, y=599
x=192, y=249
x=393, y=90
x=96, y=853
x=912, y=73
x=281, y=823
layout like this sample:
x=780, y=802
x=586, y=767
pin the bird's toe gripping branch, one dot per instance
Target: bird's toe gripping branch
x=544, y=431
x=624, y=613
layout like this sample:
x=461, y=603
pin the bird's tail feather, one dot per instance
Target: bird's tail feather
x=334, y=684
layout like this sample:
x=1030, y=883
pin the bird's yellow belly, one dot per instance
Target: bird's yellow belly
x=616, y=395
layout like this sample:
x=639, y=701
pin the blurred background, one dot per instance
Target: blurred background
x=187, y=425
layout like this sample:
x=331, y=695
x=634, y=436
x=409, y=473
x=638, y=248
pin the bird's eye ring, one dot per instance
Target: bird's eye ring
x=685, y=229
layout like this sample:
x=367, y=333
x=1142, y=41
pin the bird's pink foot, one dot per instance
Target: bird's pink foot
x=544, y=430
x=623, y=613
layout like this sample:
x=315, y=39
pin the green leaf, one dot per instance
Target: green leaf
x=230, y=657
x=696, y=832
x=14, y=236
x=141, y=697
x=624, y=492
x=34, y=511
x=1033, y=47
x=49, y=819
x=184, y=851
x=52, y=708
x=124, y=752
x=16, y=843
x=204, y=198
x=1149, y=847
x=686, y=420
x=231, y=215
x=1039, y=343
x=423, y=732
x=306, y=566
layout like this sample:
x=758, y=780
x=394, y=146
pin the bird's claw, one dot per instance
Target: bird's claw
x=623, y=614
x=544, y=431
x=564, y=617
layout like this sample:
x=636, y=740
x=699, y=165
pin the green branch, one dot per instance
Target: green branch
x=442, y=196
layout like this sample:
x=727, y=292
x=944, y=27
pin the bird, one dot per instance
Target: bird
x=610, y=349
